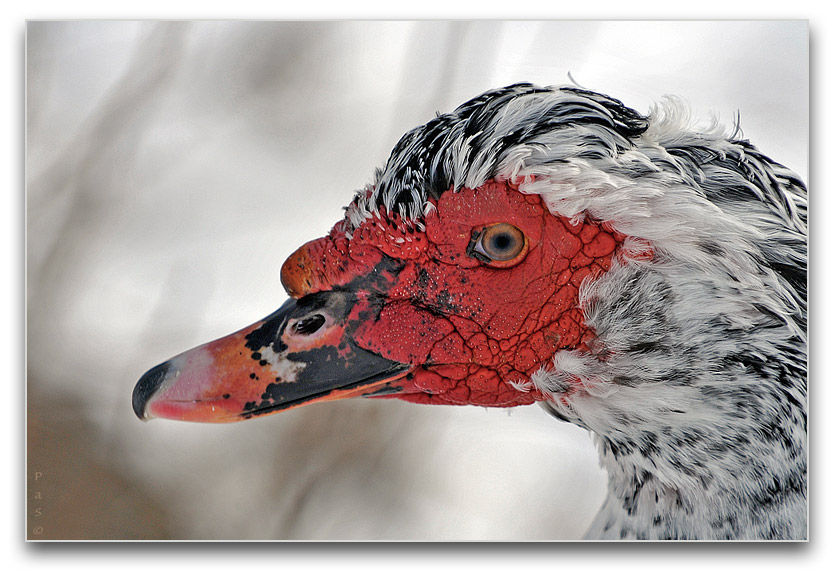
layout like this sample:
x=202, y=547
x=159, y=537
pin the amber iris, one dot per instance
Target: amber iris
x=500, y=244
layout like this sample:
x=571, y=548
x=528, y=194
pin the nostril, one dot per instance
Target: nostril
x=309, y=325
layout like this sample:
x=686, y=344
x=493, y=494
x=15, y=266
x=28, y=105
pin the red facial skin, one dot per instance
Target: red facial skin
x=469, y=328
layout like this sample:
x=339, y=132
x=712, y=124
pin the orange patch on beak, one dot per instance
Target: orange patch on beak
x=210, y=383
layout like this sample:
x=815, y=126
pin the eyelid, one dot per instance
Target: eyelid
x=479, y=247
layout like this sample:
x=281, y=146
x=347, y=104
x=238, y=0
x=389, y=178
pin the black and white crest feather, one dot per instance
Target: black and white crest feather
x=696, y=383
x=466, y=147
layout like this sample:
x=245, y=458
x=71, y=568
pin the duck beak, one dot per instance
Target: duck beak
x=300, y=354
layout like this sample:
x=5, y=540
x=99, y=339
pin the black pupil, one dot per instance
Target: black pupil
x=309, y=325
x=502, y=242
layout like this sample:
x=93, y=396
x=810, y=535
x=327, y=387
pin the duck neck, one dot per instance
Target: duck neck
x=697, y=404
x=707, y=481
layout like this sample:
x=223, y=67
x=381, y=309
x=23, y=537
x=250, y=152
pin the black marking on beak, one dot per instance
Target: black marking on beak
x=147, y=385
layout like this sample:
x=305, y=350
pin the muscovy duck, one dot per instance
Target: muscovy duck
x=639, y=278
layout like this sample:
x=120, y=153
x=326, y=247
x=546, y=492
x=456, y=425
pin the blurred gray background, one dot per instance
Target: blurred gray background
x=172, y=167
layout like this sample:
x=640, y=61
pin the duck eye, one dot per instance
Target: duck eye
x=498, y=245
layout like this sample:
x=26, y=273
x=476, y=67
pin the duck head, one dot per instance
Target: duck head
x=459, y=308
